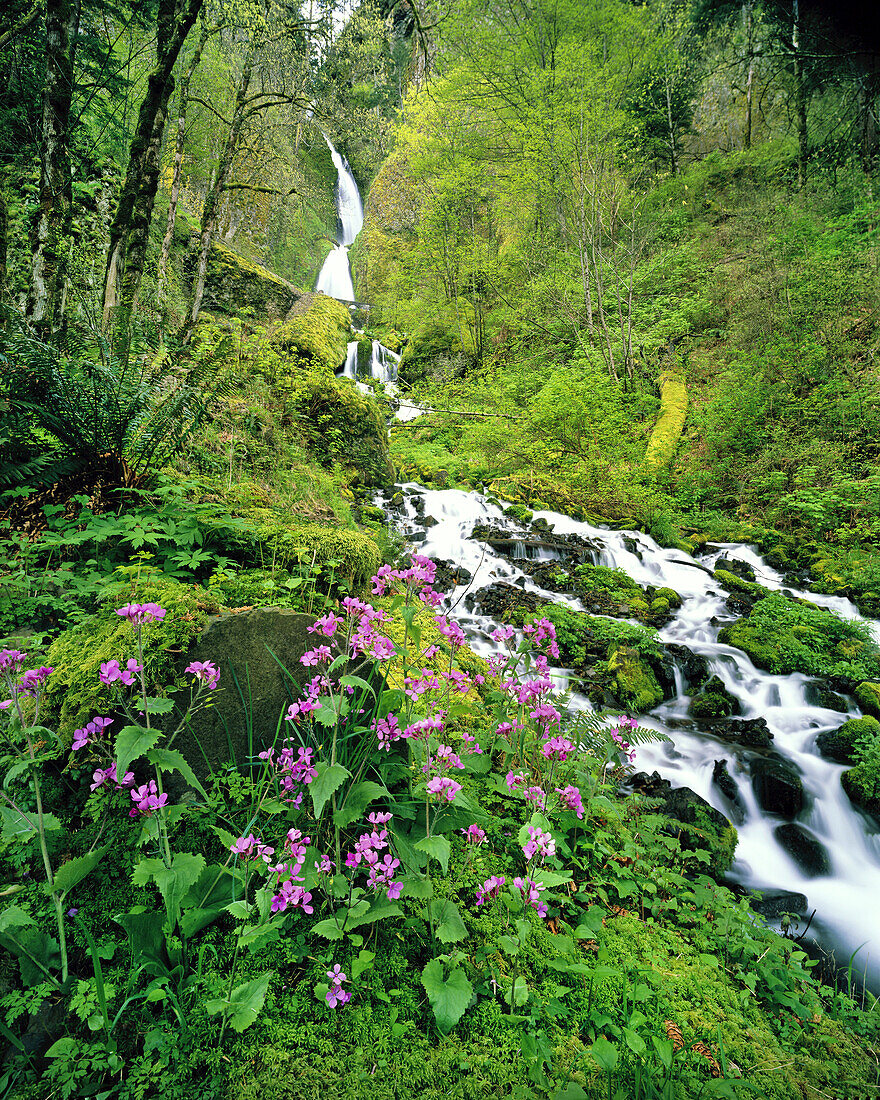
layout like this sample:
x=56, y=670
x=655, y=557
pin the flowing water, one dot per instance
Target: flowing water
x=847, y=899
x=335, y=280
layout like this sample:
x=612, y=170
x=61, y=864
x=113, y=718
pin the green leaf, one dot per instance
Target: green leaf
x=379, y=910
x=75, y=870
x=13, y=916
x=173, y=881
x=511, y=945
x=551, y=878
x=605, y=1054
x=448, y=925
x=330, y=778
x=520, y=992
x=244, y=1003
x=132, y=742
x=327, y=715
x=418, y=888
x=449, y=997
x=363, y=962
x=634, y=1041
x=436, y=847
x=157, y=704
x=572, y=1091
x=357, y=800
x=20, y=827
x=170, y=760
x=329, y=929
x=356, y=681
x=147, y=941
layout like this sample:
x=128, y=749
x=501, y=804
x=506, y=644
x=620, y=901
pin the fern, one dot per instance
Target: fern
x=79, y=407
x=590, y=730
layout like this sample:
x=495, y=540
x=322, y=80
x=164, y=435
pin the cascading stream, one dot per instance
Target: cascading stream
x=335, y=280
x=846, y=899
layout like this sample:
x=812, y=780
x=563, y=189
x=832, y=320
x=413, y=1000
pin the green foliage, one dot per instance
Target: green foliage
x=784, y=636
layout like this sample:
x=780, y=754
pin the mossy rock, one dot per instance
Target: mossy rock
x=670, y=595
x=867, y=695
x=235, y=285
x=707, y=827
x=862, y=789
x=840, y=744
x=714, y=701
x=636, y=685
x=639, y=606
x=316, y=332
x=659, y=606
x=74, y=694
x=733, y=583
x=520, y=513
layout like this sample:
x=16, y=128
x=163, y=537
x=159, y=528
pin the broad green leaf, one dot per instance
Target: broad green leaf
x=511, y=945
x=379, y=910
x=449, y=997
x=19, y=826
x=132, y=742
x=244, y=1004
x=572, y=1091
x=157, y=704
x=170, y=760
x=173, y=882
x=436, y=847
x=327, y=715
x=13, y=916
x=448, y=925
x=146, y=939
x=418, y=888
x=258, y=936
x=520, y=992
x=329, y=929
x=241, y=910
x=634, y=1041
x=330, y=778
x=356, y=681
x=551, y=878
x=194, y=920
x=363, y=962
x=75, y=870
x=357, y=800
x=605, y=1054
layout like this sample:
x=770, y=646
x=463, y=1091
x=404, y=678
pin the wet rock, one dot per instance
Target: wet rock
x=840, y=744
x=686, y=805
x=772, y=904
x=714, y=701
x=861, y=789
x=750, y=733
x=635, y=683
x=449, y=574
x=737, y=567
x=868, y=697
x=777, y=786
x=396, y=501
x=653, y=785
x=694, y=668
x=818, y=694
x=725, y=783
x=500, y=600
x=429, y=521
x=804, y=849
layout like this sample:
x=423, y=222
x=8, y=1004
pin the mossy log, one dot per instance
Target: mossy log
x=667, y=431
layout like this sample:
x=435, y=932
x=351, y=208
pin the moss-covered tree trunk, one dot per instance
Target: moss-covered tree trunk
x=211, y=209
x=800, y=95
x=50, y=228
x=4, y=233
x=129, y=232
x=182, y=102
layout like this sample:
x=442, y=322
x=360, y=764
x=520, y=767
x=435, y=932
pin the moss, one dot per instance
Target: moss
x=785, y=636
x=840, y=744
x=659, y=606
x=234, y=285
x=74, y=694
x=733, y=583
x=670, y=424
x=862, y=788
x=636, y=683
x=867, y=695
x=316, y=332
x=357, y=555
x=668, y=594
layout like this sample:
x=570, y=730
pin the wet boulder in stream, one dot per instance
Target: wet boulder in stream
x=714, y=701
x=840, y=744
x=449, y=574
x=750, y=733
x=804, y=849
x=694, y=668
x=502, y=600
x=727, y=785
x=778, y=787
x=635, y=682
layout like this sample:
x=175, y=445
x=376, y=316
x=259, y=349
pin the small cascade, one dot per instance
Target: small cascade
x=846, y=891
x=335, y=280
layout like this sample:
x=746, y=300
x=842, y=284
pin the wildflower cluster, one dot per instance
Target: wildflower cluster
x=336, y=995
x=367, y=851
x=293, y=770
x=28, y=684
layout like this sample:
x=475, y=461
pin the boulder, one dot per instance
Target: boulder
x=750, y=733
x=804, y=849
x=737, y=567
x=694, y=668
x=636, y=685
x=818, y=694
x=257, y=653
x=861, y=789
x=868, y=697
x=501, y=600
x=714, y=701
x=777, y=786
x=773, y=904
x=725, y=783
x=840, y=744
x=449, y=574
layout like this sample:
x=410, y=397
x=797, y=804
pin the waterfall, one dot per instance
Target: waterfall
x=847, y=898
x=335, y=280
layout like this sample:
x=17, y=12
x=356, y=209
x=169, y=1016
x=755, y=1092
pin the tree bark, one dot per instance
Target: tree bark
x=51, y=225
x=800, y=95
x=4, y=233
x=750, y=55
x=868, y=136
x=183, y=98
x=211, y=209
x=130, y=229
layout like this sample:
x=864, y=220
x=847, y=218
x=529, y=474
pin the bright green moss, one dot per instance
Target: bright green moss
x=666, y=434
x=636, y=684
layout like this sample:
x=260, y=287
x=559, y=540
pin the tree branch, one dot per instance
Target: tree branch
x=22, y=25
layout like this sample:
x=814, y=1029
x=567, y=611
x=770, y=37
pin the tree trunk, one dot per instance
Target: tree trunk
x=868, y=135
x=129, y=232
x=183, y=98
x=4, y=232
x=800, y=95
x=670, y=121
x=211, y=209
x=750, y=55
x=51, y=224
